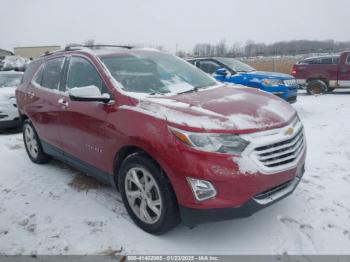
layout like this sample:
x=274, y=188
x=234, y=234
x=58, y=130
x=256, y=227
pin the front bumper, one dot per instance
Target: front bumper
x=9, y=116
x=191, y=217
x=272, y=158
x=290, y=94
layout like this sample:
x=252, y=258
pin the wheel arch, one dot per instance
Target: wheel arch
x=318, y=77
x=23, y=117
x=128, y=150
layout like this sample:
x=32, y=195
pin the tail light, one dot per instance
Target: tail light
x=294, y=71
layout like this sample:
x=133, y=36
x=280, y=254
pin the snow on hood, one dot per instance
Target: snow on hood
x=7, y=92
x=223, y=108
x=269, y=75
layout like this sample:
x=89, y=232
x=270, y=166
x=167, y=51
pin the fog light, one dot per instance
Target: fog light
x=202, y=189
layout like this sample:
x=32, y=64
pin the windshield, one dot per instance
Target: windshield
x=10, y=80
x=235, y=65
x=155, y=72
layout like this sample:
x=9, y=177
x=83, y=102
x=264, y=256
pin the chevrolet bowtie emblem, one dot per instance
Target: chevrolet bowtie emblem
x=289, y=131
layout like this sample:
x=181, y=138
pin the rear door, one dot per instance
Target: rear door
x=344, y=71
x=44, y=94
x=84, y=125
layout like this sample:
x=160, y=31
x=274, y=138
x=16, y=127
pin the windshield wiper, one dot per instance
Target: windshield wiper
x=195, y=89
x=156, y=93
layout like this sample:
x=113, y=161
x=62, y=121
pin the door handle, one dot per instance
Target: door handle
x=62, y=102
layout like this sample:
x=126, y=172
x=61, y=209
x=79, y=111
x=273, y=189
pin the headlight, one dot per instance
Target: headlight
x=272, y=82
x=221, y=143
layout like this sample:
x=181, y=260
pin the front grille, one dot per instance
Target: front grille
x=290, y=82
x=270, y=192
x=283, y=152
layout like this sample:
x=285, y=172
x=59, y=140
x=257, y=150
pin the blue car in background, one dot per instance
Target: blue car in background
x=230, y=70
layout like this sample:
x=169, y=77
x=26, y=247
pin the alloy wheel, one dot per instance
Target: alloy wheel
x=143, y=195
x=31, y=142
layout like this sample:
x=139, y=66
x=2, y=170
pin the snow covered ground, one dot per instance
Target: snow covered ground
x=54, y=209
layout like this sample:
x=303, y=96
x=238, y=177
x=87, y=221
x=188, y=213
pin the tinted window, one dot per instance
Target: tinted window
x=193, y=62
x=348, y=60
x=235, y=65
x=52, y=73
x=82, y=73
x=327, y=60
x=314, y=61
x=310, y=61
x=30, y=71
x=209, y=67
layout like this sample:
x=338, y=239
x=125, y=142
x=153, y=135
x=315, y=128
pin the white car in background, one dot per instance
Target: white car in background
x=9, y=117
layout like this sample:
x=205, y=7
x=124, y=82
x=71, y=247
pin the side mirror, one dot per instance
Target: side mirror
x=221, y=72
x=88, y=94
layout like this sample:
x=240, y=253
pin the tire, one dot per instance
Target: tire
x=159, y=193
x=32, y=144
x=316, y=87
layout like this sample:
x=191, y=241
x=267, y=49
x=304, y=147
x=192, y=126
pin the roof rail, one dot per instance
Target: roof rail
x=78, y=47
x=82, y=47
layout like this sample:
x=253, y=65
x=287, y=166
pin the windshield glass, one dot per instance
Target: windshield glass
x=10, y=80
x=235, y=65
x=155, y=72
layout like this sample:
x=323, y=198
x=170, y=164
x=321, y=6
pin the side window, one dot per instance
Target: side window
x=327, y=60
x=208, y=66
x=82, y=73
x=336, y=60
x=348, y=60
x=38, y=77
x=51, y=77
x=193, y=62
x=311, y=61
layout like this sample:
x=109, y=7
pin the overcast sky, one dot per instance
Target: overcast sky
x=167, y=22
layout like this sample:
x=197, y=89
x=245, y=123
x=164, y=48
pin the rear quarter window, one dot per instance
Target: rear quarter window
x=31, y=69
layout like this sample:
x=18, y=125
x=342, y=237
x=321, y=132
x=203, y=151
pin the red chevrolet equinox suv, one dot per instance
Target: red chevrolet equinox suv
x=178, y=145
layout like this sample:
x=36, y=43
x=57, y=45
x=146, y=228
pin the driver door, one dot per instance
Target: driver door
x=84, y=126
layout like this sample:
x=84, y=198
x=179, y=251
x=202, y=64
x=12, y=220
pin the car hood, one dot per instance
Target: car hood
x=7, y=92
x=266, y=75
x=226, y=108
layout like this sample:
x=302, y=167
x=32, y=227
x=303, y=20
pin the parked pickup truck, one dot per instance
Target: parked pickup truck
x=230, y=70
x=324, y=73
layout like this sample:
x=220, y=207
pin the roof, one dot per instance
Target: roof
x=39, y=46
x=100, y=50
x=323, y=56
x=206, y=57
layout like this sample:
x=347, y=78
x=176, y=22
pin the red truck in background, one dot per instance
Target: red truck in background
x=323, y=74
